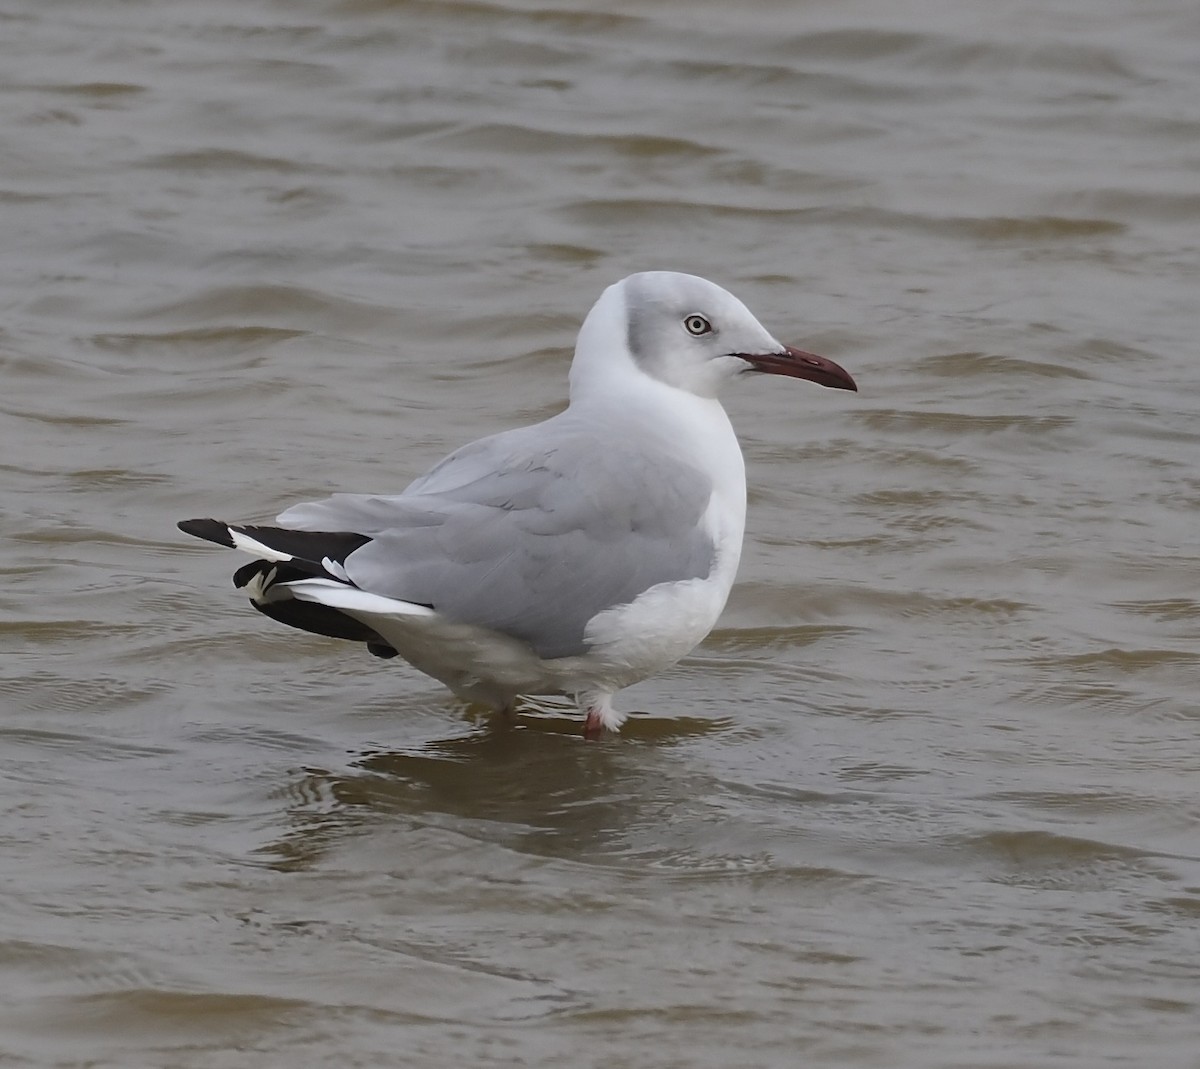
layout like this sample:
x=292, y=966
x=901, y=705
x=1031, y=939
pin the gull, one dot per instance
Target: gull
x=572, y=557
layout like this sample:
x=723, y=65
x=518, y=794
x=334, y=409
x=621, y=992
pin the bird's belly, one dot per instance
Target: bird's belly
x=477, y=663
x=626, y=643
x=633, y=641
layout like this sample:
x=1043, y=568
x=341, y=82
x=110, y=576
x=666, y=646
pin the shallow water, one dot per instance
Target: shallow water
x=927, y=797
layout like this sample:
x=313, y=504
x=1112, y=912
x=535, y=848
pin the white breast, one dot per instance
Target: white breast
x=630, y=642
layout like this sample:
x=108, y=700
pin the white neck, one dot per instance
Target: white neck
x=605, y=378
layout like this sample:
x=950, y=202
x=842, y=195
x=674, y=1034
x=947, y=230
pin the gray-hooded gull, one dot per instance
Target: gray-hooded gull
x=575, y=556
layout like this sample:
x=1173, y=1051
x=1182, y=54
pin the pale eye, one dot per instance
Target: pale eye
x=697, y=325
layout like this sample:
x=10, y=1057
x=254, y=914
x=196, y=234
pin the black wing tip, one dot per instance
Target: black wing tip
x=247, y=572
x=209, y=530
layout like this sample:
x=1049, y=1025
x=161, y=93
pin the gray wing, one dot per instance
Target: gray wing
x=531, y=532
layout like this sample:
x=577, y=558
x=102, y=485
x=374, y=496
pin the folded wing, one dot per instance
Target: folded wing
x=528, y=534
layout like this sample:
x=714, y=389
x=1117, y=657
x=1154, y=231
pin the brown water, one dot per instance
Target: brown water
x=929, y=795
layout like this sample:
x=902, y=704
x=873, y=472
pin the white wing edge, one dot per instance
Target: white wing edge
x=253, y=546
x=339, y=596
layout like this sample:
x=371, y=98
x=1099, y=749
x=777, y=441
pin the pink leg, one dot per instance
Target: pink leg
x=593, y=724
x=600, y=716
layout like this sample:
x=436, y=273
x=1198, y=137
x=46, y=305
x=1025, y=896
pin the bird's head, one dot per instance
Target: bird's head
x=689, y=333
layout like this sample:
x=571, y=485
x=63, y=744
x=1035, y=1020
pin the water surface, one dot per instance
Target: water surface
x=927, y=797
